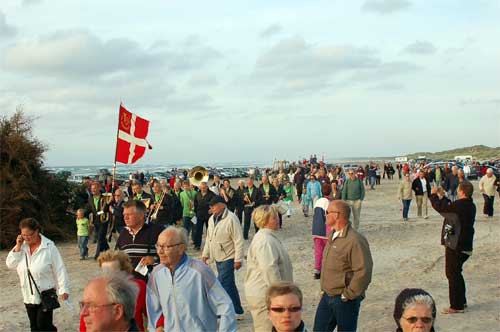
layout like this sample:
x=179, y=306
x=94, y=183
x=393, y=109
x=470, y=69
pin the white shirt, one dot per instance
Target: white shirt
x=46, y=266
x=424, y=184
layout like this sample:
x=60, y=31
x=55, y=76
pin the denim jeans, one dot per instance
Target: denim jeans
x=82, y=244
x=332, y=312
x=406, y=207
x=225, y=272
x=452, y=195
x=372, y=182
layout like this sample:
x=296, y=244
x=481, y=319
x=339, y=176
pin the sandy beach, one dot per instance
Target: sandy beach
x=404, y=254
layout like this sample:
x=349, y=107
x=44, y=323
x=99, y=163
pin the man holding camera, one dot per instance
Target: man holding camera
x=457, y=235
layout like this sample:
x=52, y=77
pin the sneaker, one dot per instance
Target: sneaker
x=240, y=316
x=317, y=276
x=426, y=217
x=82, y=258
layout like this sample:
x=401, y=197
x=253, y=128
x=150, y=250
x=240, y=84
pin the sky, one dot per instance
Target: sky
x=255, y=81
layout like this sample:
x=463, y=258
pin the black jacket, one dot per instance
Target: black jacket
x=272, y=195
x=416, y=186
x=451, y=182
x=466, y=211
x=254, y=197
x=202, y=204
x=168, y=213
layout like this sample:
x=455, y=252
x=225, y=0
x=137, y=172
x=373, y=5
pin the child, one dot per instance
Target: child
x=305, y=201
x=82, y=226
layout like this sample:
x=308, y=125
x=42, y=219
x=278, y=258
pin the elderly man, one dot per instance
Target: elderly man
x=138, y=239
x=346, y=272
x=202, y=211
x=422, y=189
x=116, y=209
x=487, y=187
x=353, y=193
x=224, y=244
x=267, y=193
x=185, y=290
x=109, y=304
x=457, y=236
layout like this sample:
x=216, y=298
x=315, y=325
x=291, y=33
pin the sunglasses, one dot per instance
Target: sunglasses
x=413, y=319
x=282, y=309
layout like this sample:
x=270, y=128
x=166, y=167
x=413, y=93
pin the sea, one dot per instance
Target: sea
x=125, y=170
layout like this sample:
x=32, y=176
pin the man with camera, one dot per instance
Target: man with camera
x=457, y=236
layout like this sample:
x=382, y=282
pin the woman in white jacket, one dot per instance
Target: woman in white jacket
x=40, y=255
x=267, y=263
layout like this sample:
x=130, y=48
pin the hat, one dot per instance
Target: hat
x=216, y=200
x=401, y=303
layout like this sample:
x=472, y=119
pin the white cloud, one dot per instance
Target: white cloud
x=271, y=31
x=385, y=6
x=420, y=47
x=83, y=54
x=6, y=30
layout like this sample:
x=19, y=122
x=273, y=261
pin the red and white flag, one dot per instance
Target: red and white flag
x=131, y=143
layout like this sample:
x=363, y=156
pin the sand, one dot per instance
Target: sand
x=405, y=255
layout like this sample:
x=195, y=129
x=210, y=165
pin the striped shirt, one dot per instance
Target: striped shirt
x=139, y=245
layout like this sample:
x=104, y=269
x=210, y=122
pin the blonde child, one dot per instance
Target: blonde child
x=82, y=226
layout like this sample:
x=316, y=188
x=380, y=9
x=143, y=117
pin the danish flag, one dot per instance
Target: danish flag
x=131, y=141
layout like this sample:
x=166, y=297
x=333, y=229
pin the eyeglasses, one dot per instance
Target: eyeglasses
x=92, y=307
x=28, y=235
x=160, y=247
x=413, y=319
x=283, y=309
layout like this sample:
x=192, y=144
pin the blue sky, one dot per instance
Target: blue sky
x=253, y=81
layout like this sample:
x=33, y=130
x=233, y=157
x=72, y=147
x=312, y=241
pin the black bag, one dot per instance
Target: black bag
x=48, y=297
x=451, y=230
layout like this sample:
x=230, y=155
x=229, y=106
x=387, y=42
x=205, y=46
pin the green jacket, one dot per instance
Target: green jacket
x=353, y=190
x=186, y=197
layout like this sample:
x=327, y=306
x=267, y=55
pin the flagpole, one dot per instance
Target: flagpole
x=116, y=150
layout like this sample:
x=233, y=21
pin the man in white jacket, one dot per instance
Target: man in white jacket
x=224, y=244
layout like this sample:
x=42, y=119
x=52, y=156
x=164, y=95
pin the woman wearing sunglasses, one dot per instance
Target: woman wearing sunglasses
x=284, y=305
x=415, y=311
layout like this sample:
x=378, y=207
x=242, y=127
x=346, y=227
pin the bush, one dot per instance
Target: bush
x=26, y=189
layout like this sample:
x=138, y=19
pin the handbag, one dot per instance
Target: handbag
x=48, y=297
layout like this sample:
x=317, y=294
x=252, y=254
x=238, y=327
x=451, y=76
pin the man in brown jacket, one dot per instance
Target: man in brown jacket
x=346, y=272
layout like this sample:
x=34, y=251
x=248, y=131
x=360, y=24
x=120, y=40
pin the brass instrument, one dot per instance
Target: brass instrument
x=146, y=202
x=153, y=213
x=197, y=175
x=247, y=199
x=104, y=216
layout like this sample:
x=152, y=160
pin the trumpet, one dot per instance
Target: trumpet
x=153, y=212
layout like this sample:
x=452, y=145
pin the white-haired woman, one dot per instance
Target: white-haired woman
x=267, y=263
x=414, y=310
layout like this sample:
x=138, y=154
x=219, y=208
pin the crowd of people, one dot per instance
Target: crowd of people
x=149, y=282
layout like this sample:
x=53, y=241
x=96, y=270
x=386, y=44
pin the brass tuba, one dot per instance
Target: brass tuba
x=197, y=175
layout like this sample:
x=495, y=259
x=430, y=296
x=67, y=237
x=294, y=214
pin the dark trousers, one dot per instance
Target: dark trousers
x=246, y=221
x=406, y=207
x=225, y=271
x=39, y=320
x=239, y=214
x=488, y=205
x=102, y=242
x=332, y=312
x=198, y=231
x=95, y=236
x=456, y=283
x=299, y=191
x=188, y=226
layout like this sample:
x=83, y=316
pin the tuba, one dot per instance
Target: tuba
x=197, y=175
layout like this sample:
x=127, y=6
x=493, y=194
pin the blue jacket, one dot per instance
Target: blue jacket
x=313, y=186
x=190, y=299
x=319, y=217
